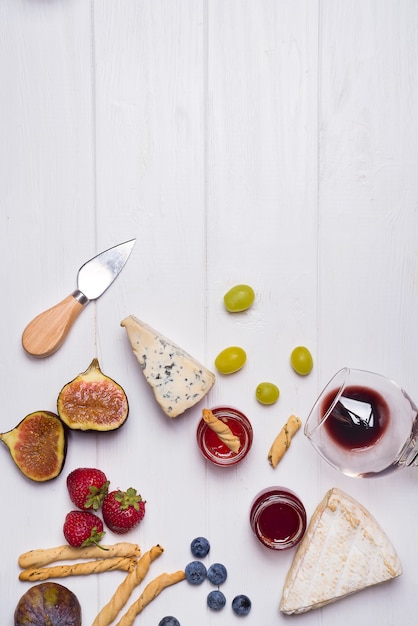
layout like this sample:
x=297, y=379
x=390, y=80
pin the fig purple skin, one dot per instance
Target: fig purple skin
x=48, y=604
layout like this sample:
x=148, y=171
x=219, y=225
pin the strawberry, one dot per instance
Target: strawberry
x=82, y=528
x=87, y=487
x=123, y=510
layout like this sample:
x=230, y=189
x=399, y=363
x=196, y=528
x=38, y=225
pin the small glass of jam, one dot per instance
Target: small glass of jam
x=214, y=449
x=278, y=518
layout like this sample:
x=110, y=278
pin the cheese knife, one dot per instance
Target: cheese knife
x=48, y=330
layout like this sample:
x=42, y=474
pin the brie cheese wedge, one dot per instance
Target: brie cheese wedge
x=343, y=551
x=177, y=379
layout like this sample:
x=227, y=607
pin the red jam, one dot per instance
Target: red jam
x=278, y=518
x=214, y=449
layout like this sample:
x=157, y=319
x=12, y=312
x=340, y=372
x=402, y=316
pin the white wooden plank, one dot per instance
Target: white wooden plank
x=47, y=231
x=270, y=143
x=368, y=189
x=150, y=181
x=262, y=207
x=367, y=232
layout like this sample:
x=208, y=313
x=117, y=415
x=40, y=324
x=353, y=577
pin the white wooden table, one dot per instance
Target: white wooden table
x=270, y=142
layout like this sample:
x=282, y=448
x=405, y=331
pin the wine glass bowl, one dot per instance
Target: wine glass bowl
x=364, y=424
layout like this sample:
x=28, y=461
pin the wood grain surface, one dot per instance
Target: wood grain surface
x=272, y=143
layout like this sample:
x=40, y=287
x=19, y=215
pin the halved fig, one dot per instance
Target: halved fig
x=38, y=445
x=93, y=401
x=48, y=604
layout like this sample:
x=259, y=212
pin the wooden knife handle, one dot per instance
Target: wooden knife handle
x=47, y=331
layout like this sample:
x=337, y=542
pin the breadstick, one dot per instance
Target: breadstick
x=283, y=439
x=150, y=592
x=41, y=557
x=78, y=569
x=222, y=429
x=111, y=610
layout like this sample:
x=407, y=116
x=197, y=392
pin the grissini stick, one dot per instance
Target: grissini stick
x=44, y=556
x=111, y=610
x=78, y=569
x=283, y=439
x=151, y=591
x=222, y=429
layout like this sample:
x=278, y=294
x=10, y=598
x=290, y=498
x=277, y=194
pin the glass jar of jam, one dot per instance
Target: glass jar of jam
x=211, y=445
x=278, y=518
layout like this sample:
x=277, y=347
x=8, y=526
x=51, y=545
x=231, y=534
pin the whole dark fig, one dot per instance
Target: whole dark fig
x=48, y=604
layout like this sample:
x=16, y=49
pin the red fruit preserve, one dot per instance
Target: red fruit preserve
x=214, y=449
x=278, y=518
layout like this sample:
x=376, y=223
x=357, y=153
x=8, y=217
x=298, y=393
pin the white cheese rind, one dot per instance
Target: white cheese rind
x=177, y=379
x=343, y=551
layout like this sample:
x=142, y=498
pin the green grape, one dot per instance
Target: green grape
x=230, y=360
x=301, y=360
x=239, y=298
x=267, y=393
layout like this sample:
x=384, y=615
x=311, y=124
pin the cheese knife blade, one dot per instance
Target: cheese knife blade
x=48, y=330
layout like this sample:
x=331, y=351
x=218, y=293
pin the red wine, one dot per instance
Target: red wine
x=358, y=419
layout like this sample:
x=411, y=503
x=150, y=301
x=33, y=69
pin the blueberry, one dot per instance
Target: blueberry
x=216, y=600
x=200, y=546
x=217, y=574
x=195, y=572
x=241, y=605
x=169, y=621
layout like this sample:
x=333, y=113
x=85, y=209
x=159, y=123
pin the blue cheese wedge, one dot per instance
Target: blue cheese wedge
x=343, y=551
x=177, y=379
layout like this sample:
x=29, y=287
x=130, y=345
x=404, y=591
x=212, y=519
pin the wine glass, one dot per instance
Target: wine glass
x=364, y=424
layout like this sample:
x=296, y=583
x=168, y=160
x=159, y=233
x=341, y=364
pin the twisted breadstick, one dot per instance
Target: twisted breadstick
x=78, y=569
x=283, y=439
x=41, y=557
x=150, y=592
x=222, y=429
x=111, y=610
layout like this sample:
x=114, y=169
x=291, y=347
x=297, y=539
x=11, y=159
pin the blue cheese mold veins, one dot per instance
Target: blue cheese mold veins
x=177, y=379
